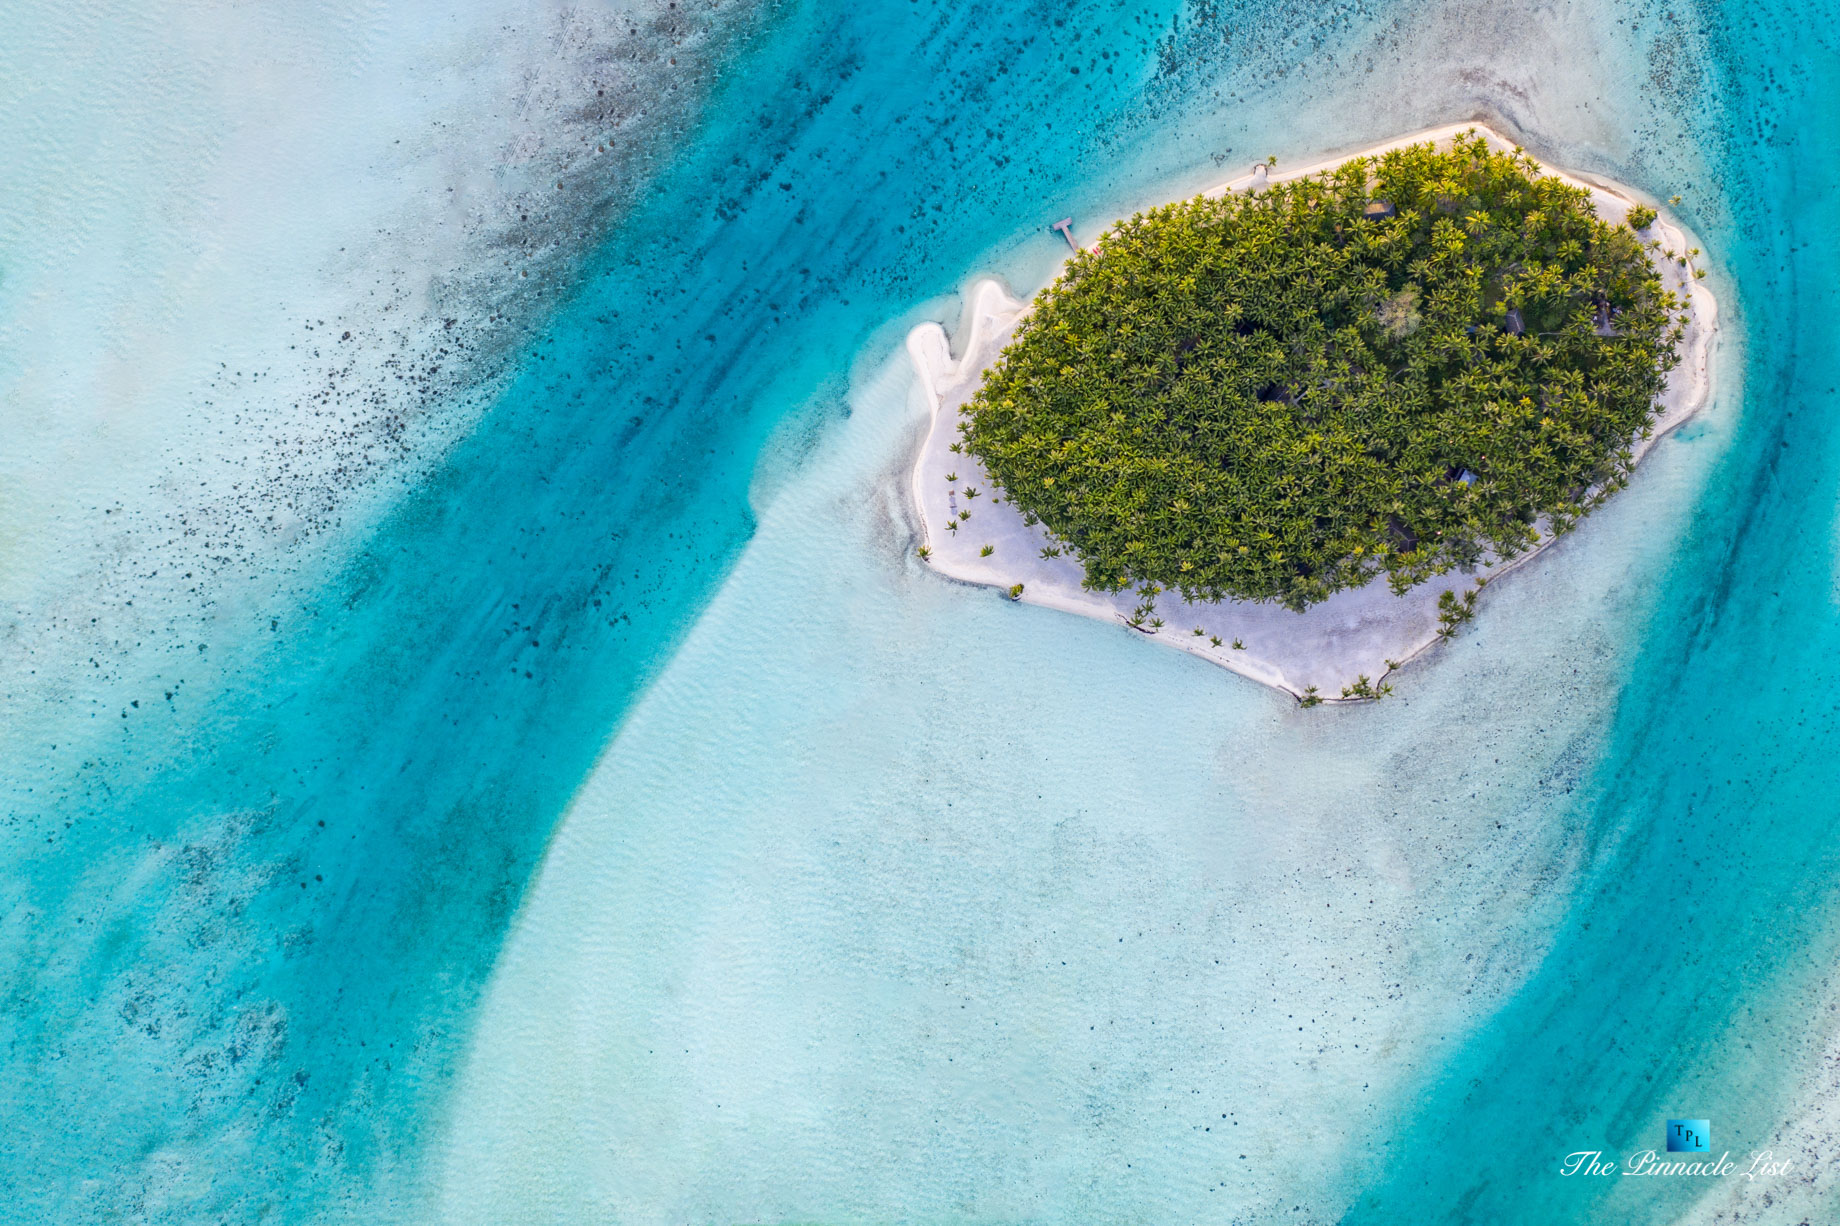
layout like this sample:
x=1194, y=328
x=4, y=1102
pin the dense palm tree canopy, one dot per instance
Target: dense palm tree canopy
x=1269, y=397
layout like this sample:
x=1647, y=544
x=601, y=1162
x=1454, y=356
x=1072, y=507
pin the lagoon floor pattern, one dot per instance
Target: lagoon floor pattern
x=863, y=896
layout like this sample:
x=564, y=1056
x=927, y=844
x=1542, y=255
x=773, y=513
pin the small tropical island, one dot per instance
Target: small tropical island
x=1281, y=406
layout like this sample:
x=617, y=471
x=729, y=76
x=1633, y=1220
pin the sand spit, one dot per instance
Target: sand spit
x=1364, y=632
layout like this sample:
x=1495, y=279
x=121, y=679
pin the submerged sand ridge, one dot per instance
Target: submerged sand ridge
x=1364, y=632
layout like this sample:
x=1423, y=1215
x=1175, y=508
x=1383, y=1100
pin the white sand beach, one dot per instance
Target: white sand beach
x=1364, y=632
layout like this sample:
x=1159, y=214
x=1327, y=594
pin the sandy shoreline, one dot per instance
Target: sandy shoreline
x=1366, y=631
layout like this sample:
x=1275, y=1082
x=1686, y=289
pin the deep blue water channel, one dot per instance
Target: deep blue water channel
x=362, y=808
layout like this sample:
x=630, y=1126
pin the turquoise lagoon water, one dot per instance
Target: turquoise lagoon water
x=631, y=830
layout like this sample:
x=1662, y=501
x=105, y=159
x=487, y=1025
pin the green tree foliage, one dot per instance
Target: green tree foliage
x=1269, y=397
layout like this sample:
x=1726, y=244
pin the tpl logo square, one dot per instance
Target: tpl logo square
x=1689, y=1136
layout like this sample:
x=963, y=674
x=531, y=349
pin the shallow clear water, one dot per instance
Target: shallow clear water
x=867, y=897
